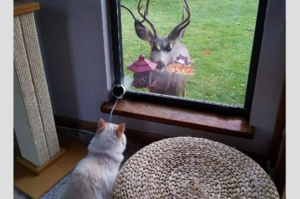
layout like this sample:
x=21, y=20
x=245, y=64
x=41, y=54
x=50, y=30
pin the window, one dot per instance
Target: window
x=223, y=39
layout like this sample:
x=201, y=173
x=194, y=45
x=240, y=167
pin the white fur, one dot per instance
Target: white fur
x=94, y=175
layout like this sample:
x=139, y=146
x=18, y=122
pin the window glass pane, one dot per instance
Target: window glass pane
x=214, y=64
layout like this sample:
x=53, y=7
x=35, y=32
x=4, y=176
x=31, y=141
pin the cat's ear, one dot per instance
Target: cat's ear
x=120, y=130
x=101, y=126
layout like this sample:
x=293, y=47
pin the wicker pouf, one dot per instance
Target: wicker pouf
x=186, y=167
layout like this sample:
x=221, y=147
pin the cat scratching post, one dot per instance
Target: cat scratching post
x=39, y=162
x=33, y=117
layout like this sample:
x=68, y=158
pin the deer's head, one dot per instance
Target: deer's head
x=161, y=46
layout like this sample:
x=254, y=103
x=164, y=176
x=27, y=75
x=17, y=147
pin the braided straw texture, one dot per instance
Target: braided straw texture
x=32, y=46
x=22, y=69
x=186, y=167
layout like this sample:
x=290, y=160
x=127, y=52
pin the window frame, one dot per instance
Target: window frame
x=114, y=20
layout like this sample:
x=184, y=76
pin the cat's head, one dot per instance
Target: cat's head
x=110, y=136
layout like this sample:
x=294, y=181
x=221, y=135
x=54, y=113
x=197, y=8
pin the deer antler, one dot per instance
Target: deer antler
x=184, y=23
x=135, y=19
x=145, y=16
x=186, y=5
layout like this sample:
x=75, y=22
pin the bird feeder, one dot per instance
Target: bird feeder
x=142, y=72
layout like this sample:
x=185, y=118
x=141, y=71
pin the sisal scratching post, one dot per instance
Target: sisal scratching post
x=39, y=80
x=27, y=120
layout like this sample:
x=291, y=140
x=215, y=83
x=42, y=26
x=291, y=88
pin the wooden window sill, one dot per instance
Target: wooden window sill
x=237, y=126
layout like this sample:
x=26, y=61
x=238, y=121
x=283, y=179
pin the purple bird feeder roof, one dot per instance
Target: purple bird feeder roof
x=142, y=65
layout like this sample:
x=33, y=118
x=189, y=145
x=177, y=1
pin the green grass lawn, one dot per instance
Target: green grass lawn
x=224, y=27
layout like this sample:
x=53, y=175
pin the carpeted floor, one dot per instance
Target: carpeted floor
x=83, y=137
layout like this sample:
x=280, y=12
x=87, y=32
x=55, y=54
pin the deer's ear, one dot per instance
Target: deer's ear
x=101, y=126
x=177, y=33
x=143, y=33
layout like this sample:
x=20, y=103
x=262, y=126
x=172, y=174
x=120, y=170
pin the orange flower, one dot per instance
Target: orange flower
x=180, y=68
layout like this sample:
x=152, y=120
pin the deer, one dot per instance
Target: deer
x=164, y=50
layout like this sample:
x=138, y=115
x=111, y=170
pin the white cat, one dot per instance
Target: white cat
x=94, y=175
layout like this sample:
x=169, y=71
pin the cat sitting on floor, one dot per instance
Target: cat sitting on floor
x=94, y=175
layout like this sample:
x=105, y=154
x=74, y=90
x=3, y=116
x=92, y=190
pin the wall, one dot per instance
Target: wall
x=71, y=39
x=74, y=42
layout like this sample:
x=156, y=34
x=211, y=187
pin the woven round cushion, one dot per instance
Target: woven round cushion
x=186, y=167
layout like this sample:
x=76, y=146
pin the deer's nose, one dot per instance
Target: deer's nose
x=160, y=65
